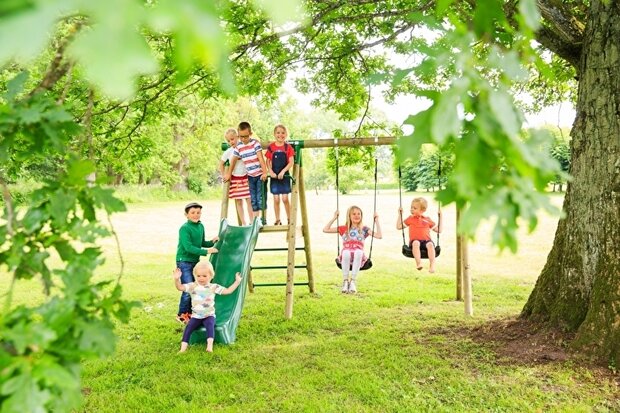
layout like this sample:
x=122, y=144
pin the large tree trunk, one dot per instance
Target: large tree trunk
x=579, y=287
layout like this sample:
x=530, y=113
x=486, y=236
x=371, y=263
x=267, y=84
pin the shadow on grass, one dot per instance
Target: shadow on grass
x=520, y=342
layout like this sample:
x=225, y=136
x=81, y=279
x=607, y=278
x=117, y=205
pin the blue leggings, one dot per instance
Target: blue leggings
x=194, y=323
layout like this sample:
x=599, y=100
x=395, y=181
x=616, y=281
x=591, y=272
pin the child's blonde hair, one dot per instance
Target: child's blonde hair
x=204, y=265
x=351, y=208
x=279, y=125
x=421, y=201
x=230, y=131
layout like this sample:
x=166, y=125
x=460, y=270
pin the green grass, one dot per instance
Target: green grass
x=384, y=349
x=387, y=349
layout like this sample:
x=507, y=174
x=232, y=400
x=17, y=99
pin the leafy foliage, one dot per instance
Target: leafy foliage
x=41, y=346
x=430, y=172
x=475, y=116
x=560, y=151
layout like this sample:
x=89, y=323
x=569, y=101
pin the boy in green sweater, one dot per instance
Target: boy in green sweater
x=192, y=245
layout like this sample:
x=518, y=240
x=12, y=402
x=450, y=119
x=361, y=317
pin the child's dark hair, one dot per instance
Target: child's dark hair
x=192, y=205
x=245, y=126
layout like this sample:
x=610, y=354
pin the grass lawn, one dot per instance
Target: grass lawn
x=402, y=344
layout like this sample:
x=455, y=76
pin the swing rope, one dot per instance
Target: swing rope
x=368, y=262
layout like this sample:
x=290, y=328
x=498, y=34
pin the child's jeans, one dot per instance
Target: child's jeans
x=187, y=276
x=194, y=323
x=256, y=192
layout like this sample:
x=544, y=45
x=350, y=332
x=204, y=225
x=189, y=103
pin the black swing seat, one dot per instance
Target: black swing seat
x=367, y=265
x=408, y=252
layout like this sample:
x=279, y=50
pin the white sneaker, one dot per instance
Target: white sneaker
x=352, y=287
x=345, y=287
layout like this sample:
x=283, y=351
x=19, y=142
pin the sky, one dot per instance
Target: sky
x=557, y=115
x=561, y=115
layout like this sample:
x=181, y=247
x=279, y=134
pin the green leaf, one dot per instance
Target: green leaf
x=16, y=85
x=57, y=376
x=78, y=170
x=24, y=34
x=106, y=198
x=64, y=249
x=33, y=220
x=60, y=205
x=442, y=6
x=282, y=11
x=97, y=337
x=114, y=56
x=29, y=115
x=24, y=395
x=508, y=63
x=198, y=36
x=28, y=334
x=409, y=145
x=58, y=114
x=8, y=7
x=445, y=118
x=488, y=13
x=531, y=14
x=504, y=110
x=399, y=75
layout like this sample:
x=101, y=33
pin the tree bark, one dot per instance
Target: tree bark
x=579, y=287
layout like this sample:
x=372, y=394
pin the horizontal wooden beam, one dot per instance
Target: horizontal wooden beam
x=332, y=143
x=348, y=142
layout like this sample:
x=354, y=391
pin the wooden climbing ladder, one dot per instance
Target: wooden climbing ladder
x=298, y=203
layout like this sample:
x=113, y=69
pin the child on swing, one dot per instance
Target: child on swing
x=420, y=227
x=353, y=234
x=202, y=294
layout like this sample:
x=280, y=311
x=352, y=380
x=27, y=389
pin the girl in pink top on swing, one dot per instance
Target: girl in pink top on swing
x=353, y=235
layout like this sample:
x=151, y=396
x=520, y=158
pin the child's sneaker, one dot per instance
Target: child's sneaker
x=345, y=287
x=183, y=318
x=352, y=287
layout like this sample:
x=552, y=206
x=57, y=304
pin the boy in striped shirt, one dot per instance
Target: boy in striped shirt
x=250, y=152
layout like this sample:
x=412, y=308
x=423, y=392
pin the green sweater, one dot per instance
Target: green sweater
x=191, y=241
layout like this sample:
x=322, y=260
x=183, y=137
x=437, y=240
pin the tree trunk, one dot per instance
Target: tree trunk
x=579, y=287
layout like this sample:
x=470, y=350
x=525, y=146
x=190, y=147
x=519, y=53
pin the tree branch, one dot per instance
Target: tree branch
x=562, y=32
x=58, y=67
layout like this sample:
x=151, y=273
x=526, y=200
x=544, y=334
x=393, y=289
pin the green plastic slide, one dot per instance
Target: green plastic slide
x=235, y=246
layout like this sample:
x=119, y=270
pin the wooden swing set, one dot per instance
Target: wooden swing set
x=298, y=203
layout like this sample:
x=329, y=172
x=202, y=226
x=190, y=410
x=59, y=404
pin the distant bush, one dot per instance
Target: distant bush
x=133, y=194
x=195, y=185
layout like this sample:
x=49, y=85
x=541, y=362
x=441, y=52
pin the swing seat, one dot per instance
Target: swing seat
x=408, y=252
x=367, y=265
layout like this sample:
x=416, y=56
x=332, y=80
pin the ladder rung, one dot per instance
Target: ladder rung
x=274, y=228
x=274, y=267
x=278, y=249
x=276, y=284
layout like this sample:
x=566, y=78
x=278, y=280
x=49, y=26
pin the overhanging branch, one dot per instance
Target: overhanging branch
x=563, y=30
